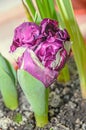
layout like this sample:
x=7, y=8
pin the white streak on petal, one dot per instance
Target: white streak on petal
x=22, y=65
x=57, y=61
x=18, y=52
x=67, y=46
x=36, y=60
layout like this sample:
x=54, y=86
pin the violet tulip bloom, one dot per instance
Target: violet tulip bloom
x=25, y=35
x=47, y=50
x=45, y=62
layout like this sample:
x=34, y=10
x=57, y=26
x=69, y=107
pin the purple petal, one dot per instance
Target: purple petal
x=46, y=51
x=45, y=75
x=25, y=35
x=62, y=35
x=48, y=27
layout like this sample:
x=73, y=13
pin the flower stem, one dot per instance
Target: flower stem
x=42, y=118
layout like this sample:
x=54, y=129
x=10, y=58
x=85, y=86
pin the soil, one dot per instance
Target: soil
x=67, y=109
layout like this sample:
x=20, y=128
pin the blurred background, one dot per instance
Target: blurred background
x=12, y=14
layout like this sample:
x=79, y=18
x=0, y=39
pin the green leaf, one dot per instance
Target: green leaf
x=31, y=8
x=46, y=9
x=61, y=23
x=52, y=9
x=8, y=68
x=74, y=31
x=78, y=46
x=8, y=90
x=27, y=12
x=37, y=19
x=41, y=8
x=35, y=91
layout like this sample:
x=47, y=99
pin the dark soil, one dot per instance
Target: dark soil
x=67, y=110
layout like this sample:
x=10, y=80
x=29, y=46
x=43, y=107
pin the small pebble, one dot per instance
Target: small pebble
x=1, y=113
x=11, y=128
x=51, y=112
x=72, y=105
x=77, y=121
x=84, y=126
x=55, y=100
x=66, y=90
x=54, y=121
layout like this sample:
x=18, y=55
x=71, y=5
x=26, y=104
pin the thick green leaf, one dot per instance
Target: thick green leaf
x=8, y=90
x=35, y=92
x=8, y=68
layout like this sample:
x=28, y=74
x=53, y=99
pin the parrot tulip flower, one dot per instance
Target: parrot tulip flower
x=47, y=49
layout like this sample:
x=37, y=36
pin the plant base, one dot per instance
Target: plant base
x=42, y=120
x=83, y=91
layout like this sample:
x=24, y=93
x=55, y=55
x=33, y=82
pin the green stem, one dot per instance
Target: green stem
x=41, y=120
